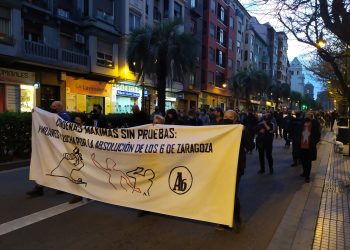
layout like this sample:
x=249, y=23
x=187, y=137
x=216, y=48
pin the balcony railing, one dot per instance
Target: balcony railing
x=59, y=57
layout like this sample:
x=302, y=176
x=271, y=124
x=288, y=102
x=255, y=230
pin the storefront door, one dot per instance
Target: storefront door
x=48, y=94
x=91, y=100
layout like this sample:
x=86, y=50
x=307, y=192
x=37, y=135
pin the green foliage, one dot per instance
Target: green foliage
x=163, y=51
x=250, y=82
x=16, y=128
x=15, y=135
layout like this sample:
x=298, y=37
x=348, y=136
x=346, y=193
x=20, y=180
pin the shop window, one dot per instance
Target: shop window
x=27, y=98
x=104, y=54
x=12, y=98
x=2, y=98
x=48, y=94
x=5, y=18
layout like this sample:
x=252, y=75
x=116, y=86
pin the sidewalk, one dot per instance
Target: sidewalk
x=318, y=216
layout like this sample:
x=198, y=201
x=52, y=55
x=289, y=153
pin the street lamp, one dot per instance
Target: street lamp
x=321, y=43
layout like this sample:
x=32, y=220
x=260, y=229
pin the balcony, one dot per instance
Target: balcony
x=43, y=5
x=56, y=57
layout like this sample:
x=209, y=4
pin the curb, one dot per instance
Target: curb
x=14, y=164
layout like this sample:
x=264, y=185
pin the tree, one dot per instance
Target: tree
x=279, y=91
x=163, y=51
x=295, y=97
x=249, y=82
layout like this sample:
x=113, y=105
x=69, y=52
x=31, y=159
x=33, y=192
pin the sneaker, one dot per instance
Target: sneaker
x=75, y=199
x=36, y=192
x=261, y=171
x=307, y=180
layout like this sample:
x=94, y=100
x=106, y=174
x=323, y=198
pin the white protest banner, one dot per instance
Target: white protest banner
x=182, y=171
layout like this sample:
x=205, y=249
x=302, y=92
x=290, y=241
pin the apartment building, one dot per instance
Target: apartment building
x=255, y=53
x=282, y=59
x=57, y=50
x=219, y=51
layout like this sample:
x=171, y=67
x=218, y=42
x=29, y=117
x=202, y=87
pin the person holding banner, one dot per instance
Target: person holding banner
x=247, y=144
x=57, y=108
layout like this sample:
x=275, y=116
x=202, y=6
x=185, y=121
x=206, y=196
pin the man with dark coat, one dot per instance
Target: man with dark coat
x=310, y=136
x=297, y=123
x=139, y=117
x=96, y=118
x=247, y=143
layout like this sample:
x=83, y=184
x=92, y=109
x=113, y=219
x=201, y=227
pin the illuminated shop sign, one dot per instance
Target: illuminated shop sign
x=128, y=94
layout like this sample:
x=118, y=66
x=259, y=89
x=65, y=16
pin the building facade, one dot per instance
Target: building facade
x=309, y=90
x=282, y=58
x=64, y=50
x=296, y=76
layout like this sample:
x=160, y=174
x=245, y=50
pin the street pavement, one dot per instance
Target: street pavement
x=49, y=222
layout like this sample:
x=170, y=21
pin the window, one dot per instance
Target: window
x=211, y=54
x=230, y=43
x=221, y=13
x=210, y=77
x=239, y=27
x=212, y=5
x=230, y=63
x=292, y=72
x=193, y=27
x=250, y=56
x=245, y=55
x=5, y=17
x=212, y=30
x=219, y=78
x=238, y=64
x=221, y=36
x=232, y=24
x=134, y=21
x=246, y=38
x=104, y=54
x=220, y=58
x=193, y=3
x=177, y=10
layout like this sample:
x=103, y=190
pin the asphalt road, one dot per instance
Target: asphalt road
x=96, y=225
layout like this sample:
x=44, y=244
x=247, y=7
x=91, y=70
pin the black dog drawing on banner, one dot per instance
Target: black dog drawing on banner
x=118, y=179
x=71, y=169
x=140, y=175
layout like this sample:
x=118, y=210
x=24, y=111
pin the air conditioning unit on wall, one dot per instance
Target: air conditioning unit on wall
x=78, y=38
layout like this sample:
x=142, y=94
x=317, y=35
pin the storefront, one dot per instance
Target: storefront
x=82, y=94
x=17, y=92
x=207, y=100
x=127, y=95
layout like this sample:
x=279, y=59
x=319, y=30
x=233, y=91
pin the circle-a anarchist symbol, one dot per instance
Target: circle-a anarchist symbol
x=180, y=180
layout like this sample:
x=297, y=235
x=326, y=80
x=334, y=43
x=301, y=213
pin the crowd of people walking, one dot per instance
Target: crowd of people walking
x=301, y=130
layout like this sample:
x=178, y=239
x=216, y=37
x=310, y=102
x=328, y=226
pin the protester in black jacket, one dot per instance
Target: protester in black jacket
x=96, y=118
x=264, y=142
x=247, y=143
